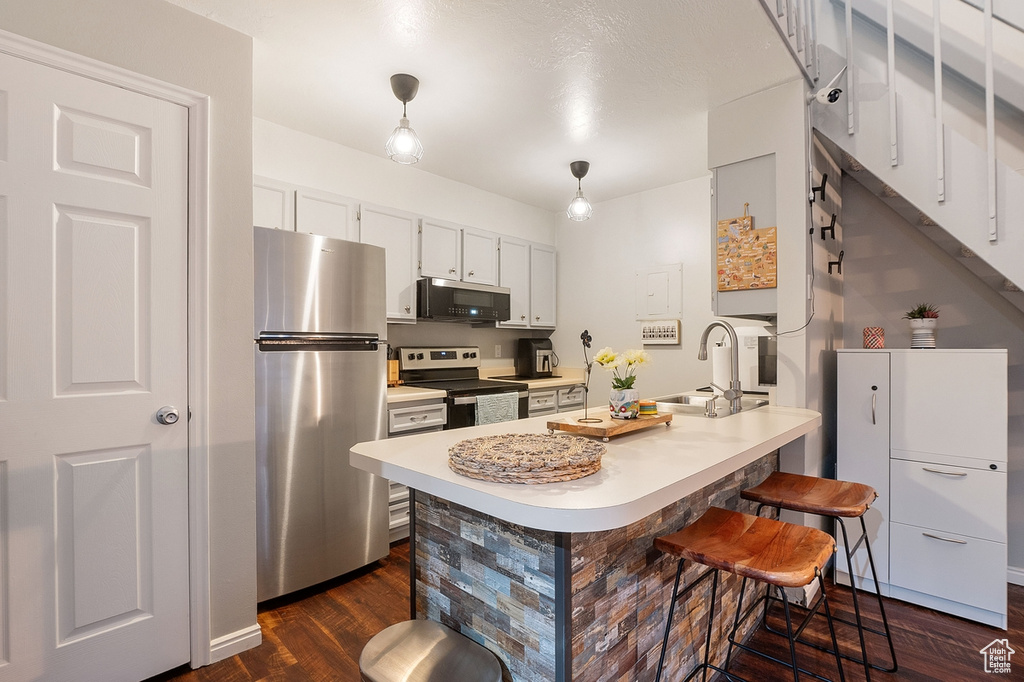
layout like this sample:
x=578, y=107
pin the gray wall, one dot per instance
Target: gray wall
x=160, y=40
x=890, y=266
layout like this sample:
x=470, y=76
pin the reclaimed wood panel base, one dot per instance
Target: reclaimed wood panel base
x=556, y=607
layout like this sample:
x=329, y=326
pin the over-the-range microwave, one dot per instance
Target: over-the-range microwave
x=454, y=301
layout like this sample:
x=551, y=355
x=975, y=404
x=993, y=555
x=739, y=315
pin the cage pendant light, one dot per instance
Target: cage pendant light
x=579, y=207
x=404, y=146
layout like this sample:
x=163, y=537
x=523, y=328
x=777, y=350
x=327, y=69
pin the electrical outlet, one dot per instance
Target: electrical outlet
x=497, y=350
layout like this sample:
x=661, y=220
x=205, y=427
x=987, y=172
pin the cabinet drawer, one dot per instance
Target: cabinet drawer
x=542, y=401
x=404, y=419
x=397, y=493
x=961, y=500
x=956, y=567
x=570, y=397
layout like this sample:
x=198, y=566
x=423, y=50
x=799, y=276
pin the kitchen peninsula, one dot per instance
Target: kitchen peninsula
x=561, y=579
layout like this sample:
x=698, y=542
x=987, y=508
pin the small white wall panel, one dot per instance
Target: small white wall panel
x=92, y=145
x=102, y=324
x=104, y=560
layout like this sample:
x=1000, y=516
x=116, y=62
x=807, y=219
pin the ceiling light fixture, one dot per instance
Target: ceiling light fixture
x=579, y=207
x=403, y=146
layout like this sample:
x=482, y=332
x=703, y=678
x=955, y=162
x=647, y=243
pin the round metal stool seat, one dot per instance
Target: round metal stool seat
x=425, y=651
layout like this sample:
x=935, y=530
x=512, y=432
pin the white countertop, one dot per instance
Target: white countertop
x=641, y=472
x=405, y=394
x=568, y=377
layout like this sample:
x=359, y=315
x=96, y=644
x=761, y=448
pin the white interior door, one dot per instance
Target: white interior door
x=93, y=303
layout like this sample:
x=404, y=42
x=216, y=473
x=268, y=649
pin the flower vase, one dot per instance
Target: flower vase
x=922, y=332
x=624, y=403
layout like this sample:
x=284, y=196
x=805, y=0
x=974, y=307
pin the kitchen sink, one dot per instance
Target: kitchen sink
x=689, y=404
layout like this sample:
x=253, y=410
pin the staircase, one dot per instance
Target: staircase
x=948, y=182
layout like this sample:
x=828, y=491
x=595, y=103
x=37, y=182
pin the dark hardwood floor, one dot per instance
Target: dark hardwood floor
x=317, y=634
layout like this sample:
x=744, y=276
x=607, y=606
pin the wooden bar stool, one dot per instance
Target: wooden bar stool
x=836, y=500
x=777, y=553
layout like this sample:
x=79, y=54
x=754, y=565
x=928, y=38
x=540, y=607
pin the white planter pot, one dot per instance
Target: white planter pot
x=624, y=404
x=922, y=332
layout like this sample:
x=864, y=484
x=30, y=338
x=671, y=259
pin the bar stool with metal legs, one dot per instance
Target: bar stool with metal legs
x=836, y=500
x=773, y=552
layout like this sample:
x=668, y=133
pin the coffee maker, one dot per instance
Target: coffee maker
x=534, y=358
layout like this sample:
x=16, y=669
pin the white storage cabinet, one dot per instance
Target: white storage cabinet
x=455, y=252
x=928, y=430
x=396, y=232
x=543, y=401
x=528, y=270
x=406, y=419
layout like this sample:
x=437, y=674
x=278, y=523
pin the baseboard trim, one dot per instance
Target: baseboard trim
x=1015, y=575
x=235, y=643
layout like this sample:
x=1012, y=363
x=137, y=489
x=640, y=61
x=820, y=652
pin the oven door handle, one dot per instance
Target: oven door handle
x=471, y=399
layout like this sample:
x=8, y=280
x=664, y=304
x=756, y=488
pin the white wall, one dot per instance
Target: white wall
x=302, y=159
x=775, y=122
x=597, y=264
x=166, y=42
x=890, y=267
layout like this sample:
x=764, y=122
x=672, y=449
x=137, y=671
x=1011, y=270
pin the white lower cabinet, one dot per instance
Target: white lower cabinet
x=908, y=425
x=406, y=419
x=938, y=568
x=543, y=401
x=570, y=398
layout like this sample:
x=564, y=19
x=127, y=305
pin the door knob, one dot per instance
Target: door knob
x=167, y=415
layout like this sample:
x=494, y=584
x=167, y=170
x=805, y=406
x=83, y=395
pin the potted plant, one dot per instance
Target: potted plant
x=624, y=400
x=923, y=319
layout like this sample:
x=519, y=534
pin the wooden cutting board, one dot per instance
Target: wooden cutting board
x=609, y=427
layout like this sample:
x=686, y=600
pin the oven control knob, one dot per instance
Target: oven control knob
x=419, y=356
x=472, y=355
x=465, y=355
x=412, y=356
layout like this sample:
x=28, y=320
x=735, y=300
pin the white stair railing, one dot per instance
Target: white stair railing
x=794, y=20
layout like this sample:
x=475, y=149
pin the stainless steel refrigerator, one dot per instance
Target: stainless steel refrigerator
x=321, y=386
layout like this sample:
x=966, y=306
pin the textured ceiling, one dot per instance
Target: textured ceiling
x=511, y=91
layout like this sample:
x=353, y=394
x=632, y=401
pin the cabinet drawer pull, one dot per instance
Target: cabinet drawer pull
x=945, y=473
x=873, y=397
x=938, y=537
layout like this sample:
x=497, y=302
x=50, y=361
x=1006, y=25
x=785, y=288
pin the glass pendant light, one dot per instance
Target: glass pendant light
x=403, y=146
x=579, y=207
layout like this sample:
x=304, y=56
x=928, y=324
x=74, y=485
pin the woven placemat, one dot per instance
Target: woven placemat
x=526, y=458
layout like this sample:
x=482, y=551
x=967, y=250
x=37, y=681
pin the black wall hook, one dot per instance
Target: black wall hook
x=837, y=263
x=820, y=188
x=831, y=228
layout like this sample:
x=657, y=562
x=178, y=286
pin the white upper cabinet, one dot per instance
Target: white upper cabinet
x=479, y=256
x=395, y=231
x=456, y=252
x=542, y=285
x=327, y=214
x=273, y=204
x=440, y=249
x=514, y=273
x=528, y=270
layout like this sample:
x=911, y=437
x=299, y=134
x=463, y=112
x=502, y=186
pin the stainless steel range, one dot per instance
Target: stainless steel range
x=456, y=371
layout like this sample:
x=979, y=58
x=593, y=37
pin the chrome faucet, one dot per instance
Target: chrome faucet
x=734, y=392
